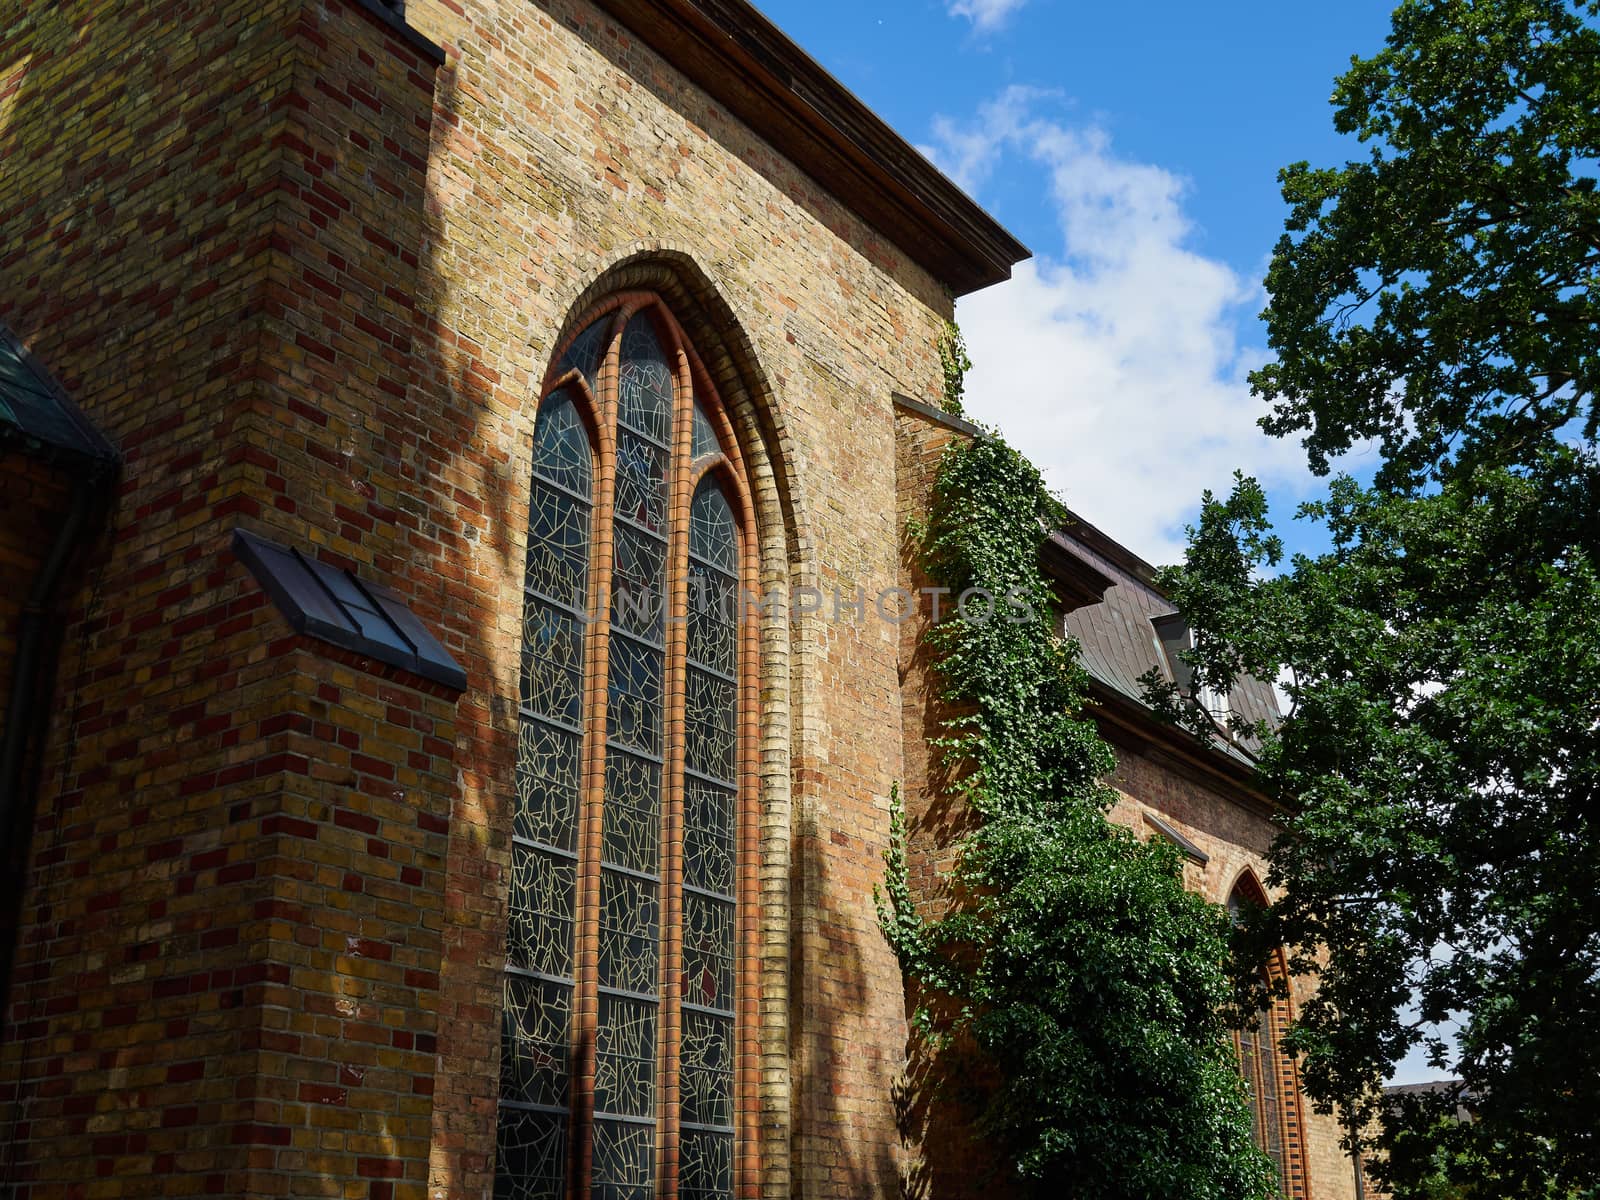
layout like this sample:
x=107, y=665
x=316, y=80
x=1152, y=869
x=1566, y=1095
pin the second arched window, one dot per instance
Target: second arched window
x=626, y=1063
x=1271, y=1082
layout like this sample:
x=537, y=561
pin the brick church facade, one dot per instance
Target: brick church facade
x=383, y=388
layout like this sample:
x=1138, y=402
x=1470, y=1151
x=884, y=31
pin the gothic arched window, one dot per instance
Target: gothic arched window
x=1271, y=1086
x=626, y=1046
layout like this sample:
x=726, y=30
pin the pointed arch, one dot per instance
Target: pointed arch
x=781, y=550
x=1247, y=887
x=632, y=1052
x=730, y=364
x=1272, y=1077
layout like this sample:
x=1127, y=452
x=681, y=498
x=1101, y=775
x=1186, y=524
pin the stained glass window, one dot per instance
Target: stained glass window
x=710, y=757
x=703, y=438
x=1269, y=1075
x=591, y=1029
x=539, y=986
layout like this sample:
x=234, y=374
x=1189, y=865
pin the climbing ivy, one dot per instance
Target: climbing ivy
x=955, y=363
x=1086, y=981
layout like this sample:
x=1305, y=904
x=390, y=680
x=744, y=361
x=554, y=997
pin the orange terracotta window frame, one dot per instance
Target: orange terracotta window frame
x=1274, y=1072
x=597, y=407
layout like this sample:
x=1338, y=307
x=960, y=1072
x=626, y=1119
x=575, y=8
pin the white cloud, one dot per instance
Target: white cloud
x=1114, y=360
x=985, y=15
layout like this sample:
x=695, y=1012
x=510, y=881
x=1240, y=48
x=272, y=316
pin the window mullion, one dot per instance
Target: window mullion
x=586, y=1007
x=677, y=589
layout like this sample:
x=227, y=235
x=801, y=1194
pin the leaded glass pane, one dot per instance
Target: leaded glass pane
x=712, y=535
x=624, y=1161
x=625, y=1058
x=641, y=482
x=631, y=822
x=706, y=1056
x=558, y=547
x=644, y=386
x=638, y=583
x=561, y=451
x=705, y=1165
x=539, y=937
x=630, y=922
x=533, y=1041
x=703, y=440
x=708, y=951
x=633, y=714
x=709, y=742
x=713, y=619
x=530, y=1155
x=549, y=810
x=552, y=662
x=708, y=813
x=586, y=351
x=710, y=708
x=548, y=782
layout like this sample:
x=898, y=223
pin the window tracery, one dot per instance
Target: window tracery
x=620, y=1035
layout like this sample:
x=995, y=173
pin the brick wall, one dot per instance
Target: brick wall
x=33, y=502
x=309, y=284
x=1235, y=833
x=945, y=1158
x=567, y=161
x=308, y=279
x=228, y=974
x=33, y=508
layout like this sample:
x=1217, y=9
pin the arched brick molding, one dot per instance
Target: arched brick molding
x=724, y=352
x=1272, y=1076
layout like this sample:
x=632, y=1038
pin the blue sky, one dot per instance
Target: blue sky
x=1134, y=149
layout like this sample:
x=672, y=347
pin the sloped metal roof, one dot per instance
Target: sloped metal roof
x=36, y=415
x=1118, y=642
x=340, y=608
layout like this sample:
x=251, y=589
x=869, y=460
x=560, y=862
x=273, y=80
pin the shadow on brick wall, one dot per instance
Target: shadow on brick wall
x=474, y=574
x=837, y=1078
x=942, y=1092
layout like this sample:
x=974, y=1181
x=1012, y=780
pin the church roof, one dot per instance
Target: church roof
x=36, y=415
x=1119, y=640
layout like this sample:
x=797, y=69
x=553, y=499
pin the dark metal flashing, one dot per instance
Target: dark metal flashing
x=1190, y=850
x=391, y=14
x=1079, y=583
x=38, y=418
x=938, y=416
x=343, y=610
x=751, y=67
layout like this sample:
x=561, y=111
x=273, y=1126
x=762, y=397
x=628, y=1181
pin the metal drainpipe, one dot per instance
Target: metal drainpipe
x=27, y=710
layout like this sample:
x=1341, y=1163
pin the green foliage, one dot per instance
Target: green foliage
x=1084, y=975
x=1440, y=295
x=1443, y=760
x=1443, y=658
x=953, y=359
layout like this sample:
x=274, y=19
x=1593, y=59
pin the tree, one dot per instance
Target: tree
x=1441, y=759
x=1089, y=983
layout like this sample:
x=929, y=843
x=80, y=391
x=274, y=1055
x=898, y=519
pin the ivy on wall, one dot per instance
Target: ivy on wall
x=1089, y=985
x=955, y=364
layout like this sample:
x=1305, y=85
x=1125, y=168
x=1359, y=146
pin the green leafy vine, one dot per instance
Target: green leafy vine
x=1085, y=978
x=954, y=362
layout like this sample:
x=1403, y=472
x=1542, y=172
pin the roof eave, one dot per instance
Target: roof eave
x=1139, y=723
x=745, y=62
